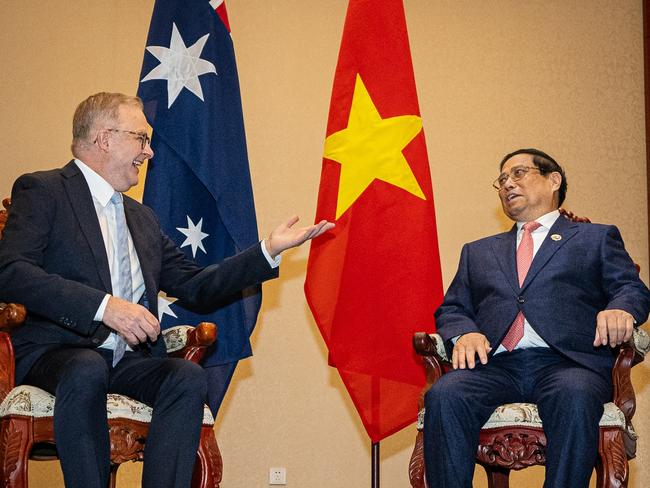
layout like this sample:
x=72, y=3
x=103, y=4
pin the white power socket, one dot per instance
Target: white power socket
x=278, y=476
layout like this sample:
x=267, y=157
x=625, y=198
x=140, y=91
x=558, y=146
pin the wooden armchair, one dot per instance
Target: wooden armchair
x=513, y=437
x=26, y=412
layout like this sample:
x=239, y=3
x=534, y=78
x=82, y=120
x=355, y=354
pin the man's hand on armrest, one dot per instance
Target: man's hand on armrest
x=132, y=321
x=467, y=347
x=614, y=326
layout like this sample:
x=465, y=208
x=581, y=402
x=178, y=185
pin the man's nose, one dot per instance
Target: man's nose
x=148, y=151
x=509, y=183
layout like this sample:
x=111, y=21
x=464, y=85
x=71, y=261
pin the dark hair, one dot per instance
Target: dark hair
x=545, y=163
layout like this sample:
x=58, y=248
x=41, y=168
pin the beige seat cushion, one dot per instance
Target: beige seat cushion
x=526, y=415
x=31, y=401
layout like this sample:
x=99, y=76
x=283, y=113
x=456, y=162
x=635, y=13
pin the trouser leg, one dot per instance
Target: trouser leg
x=176, y=390
x=570, y=401
x=457, y=406
x=79, y=380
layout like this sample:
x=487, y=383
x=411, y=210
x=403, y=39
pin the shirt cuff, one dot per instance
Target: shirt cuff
x=99, y=315
x=274, y=263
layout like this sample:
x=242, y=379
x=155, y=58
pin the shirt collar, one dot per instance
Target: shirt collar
x=546, y=220
x=100, y=189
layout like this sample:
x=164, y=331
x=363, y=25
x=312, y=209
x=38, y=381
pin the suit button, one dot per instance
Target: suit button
x=520, y=299
x=95, y=341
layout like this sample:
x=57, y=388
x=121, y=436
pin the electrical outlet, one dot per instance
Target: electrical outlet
x=278, y=476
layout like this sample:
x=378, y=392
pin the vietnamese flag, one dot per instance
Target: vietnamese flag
x=375, y=279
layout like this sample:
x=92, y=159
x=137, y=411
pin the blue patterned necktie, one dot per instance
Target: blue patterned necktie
x=124, y=283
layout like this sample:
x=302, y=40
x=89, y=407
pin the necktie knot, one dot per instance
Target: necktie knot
x=531, y=226
x=116, y=199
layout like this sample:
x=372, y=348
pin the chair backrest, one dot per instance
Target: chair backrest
x=3, y=214
x=573, y=217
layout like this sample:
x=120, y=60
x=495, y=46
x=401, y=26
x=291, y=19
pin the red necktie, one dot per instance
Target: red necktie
x=524, y=258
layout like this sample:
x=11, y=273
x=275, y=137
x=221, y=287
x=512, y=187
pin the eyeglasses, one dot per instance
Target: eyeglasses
x=144, y=138
x=515, y=174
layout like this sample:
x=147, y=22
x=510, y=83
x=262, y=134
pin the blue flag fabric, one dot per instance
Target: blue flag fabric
x=198, y=181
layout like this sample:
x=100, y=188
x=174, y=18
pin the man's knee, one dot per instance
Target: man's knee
x=85, y=372
x=186, y=377
x=445, y=394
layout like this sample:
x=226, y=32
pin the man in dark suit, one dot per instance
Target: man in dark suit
x=88, y=264
x=536, y=332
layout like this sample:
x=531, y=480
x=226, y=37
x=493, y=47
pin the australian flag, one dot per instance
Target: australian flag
x=198, y=181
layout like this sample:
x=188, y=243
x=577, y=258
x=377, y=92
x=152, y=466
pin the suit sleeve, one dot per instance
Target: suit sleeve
x=456, y=315
x=204, y=289
x=621, y=282
x=23, y=279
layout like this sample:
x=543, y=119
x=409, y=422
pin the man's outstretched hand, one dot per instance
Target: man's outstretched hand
x=285, y=236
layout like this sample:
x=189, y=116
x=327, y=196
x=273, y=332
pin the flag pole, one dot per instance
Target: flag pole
x=375, y=465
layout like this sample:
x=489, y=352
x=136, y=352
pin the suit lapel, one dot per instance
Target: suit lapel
x=84, y=209
x=563, y=230
x=504, y=247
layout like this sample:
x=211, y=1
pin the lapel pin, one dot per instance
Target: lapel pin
x=556, y=237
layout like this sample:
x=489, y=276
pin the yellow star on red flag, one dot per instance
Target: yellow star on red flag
x=370, y=148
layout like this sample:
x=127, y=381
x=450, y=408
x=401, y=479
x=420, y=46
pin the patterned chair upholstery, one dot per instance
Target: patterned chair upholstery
x=26, y=412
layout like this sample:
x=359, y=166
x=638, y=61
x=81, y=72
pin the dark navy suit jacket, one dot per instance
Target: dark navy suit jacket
x=570, y=280
x=53, y=260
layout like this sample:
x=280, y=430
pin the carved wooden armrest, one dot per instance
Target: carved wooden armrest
x=629, y=353
x=12, y=315
x=432, y=349
x=191, y=343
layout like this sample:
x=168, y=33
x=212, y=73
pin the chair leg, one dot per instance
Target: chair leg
x=416, y=466
x=113, y=475
x=209, y=466
x=497, y=477
x=611, y=466
x=15, y=443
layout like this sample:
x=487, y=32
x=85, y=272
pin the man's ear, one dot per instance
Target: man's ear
x=102, y=140
x=556, y=179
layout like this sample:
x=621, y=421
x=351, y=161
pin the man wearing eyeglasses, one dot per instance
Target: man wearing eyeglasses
x=88, y=263
x=531, y=316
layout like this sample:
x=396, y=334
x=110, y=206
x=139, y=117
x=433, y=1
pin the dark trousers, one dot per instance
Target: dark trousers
x=80, y=380
x=569, y=398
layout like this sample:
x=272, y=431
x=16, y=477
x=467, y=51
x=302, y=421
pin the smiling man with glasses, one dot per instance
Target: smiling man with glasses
x=531, y=316
x=88, y=263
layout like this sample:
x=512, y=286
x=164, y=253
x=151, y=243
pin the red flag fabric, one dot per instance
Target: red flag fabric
x=375, y=279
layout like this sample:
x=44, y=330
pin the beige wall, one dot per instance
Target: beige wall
x=565, y=76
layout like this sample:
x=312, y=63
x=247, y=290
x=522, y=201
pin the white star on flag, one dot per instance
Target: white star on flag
x=164, y=305
x=180, y=65
x=194, y=235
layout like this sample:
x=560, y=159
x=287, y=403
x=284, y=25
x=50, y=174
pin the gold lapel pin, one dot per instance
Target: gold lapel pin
x=556, y=237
